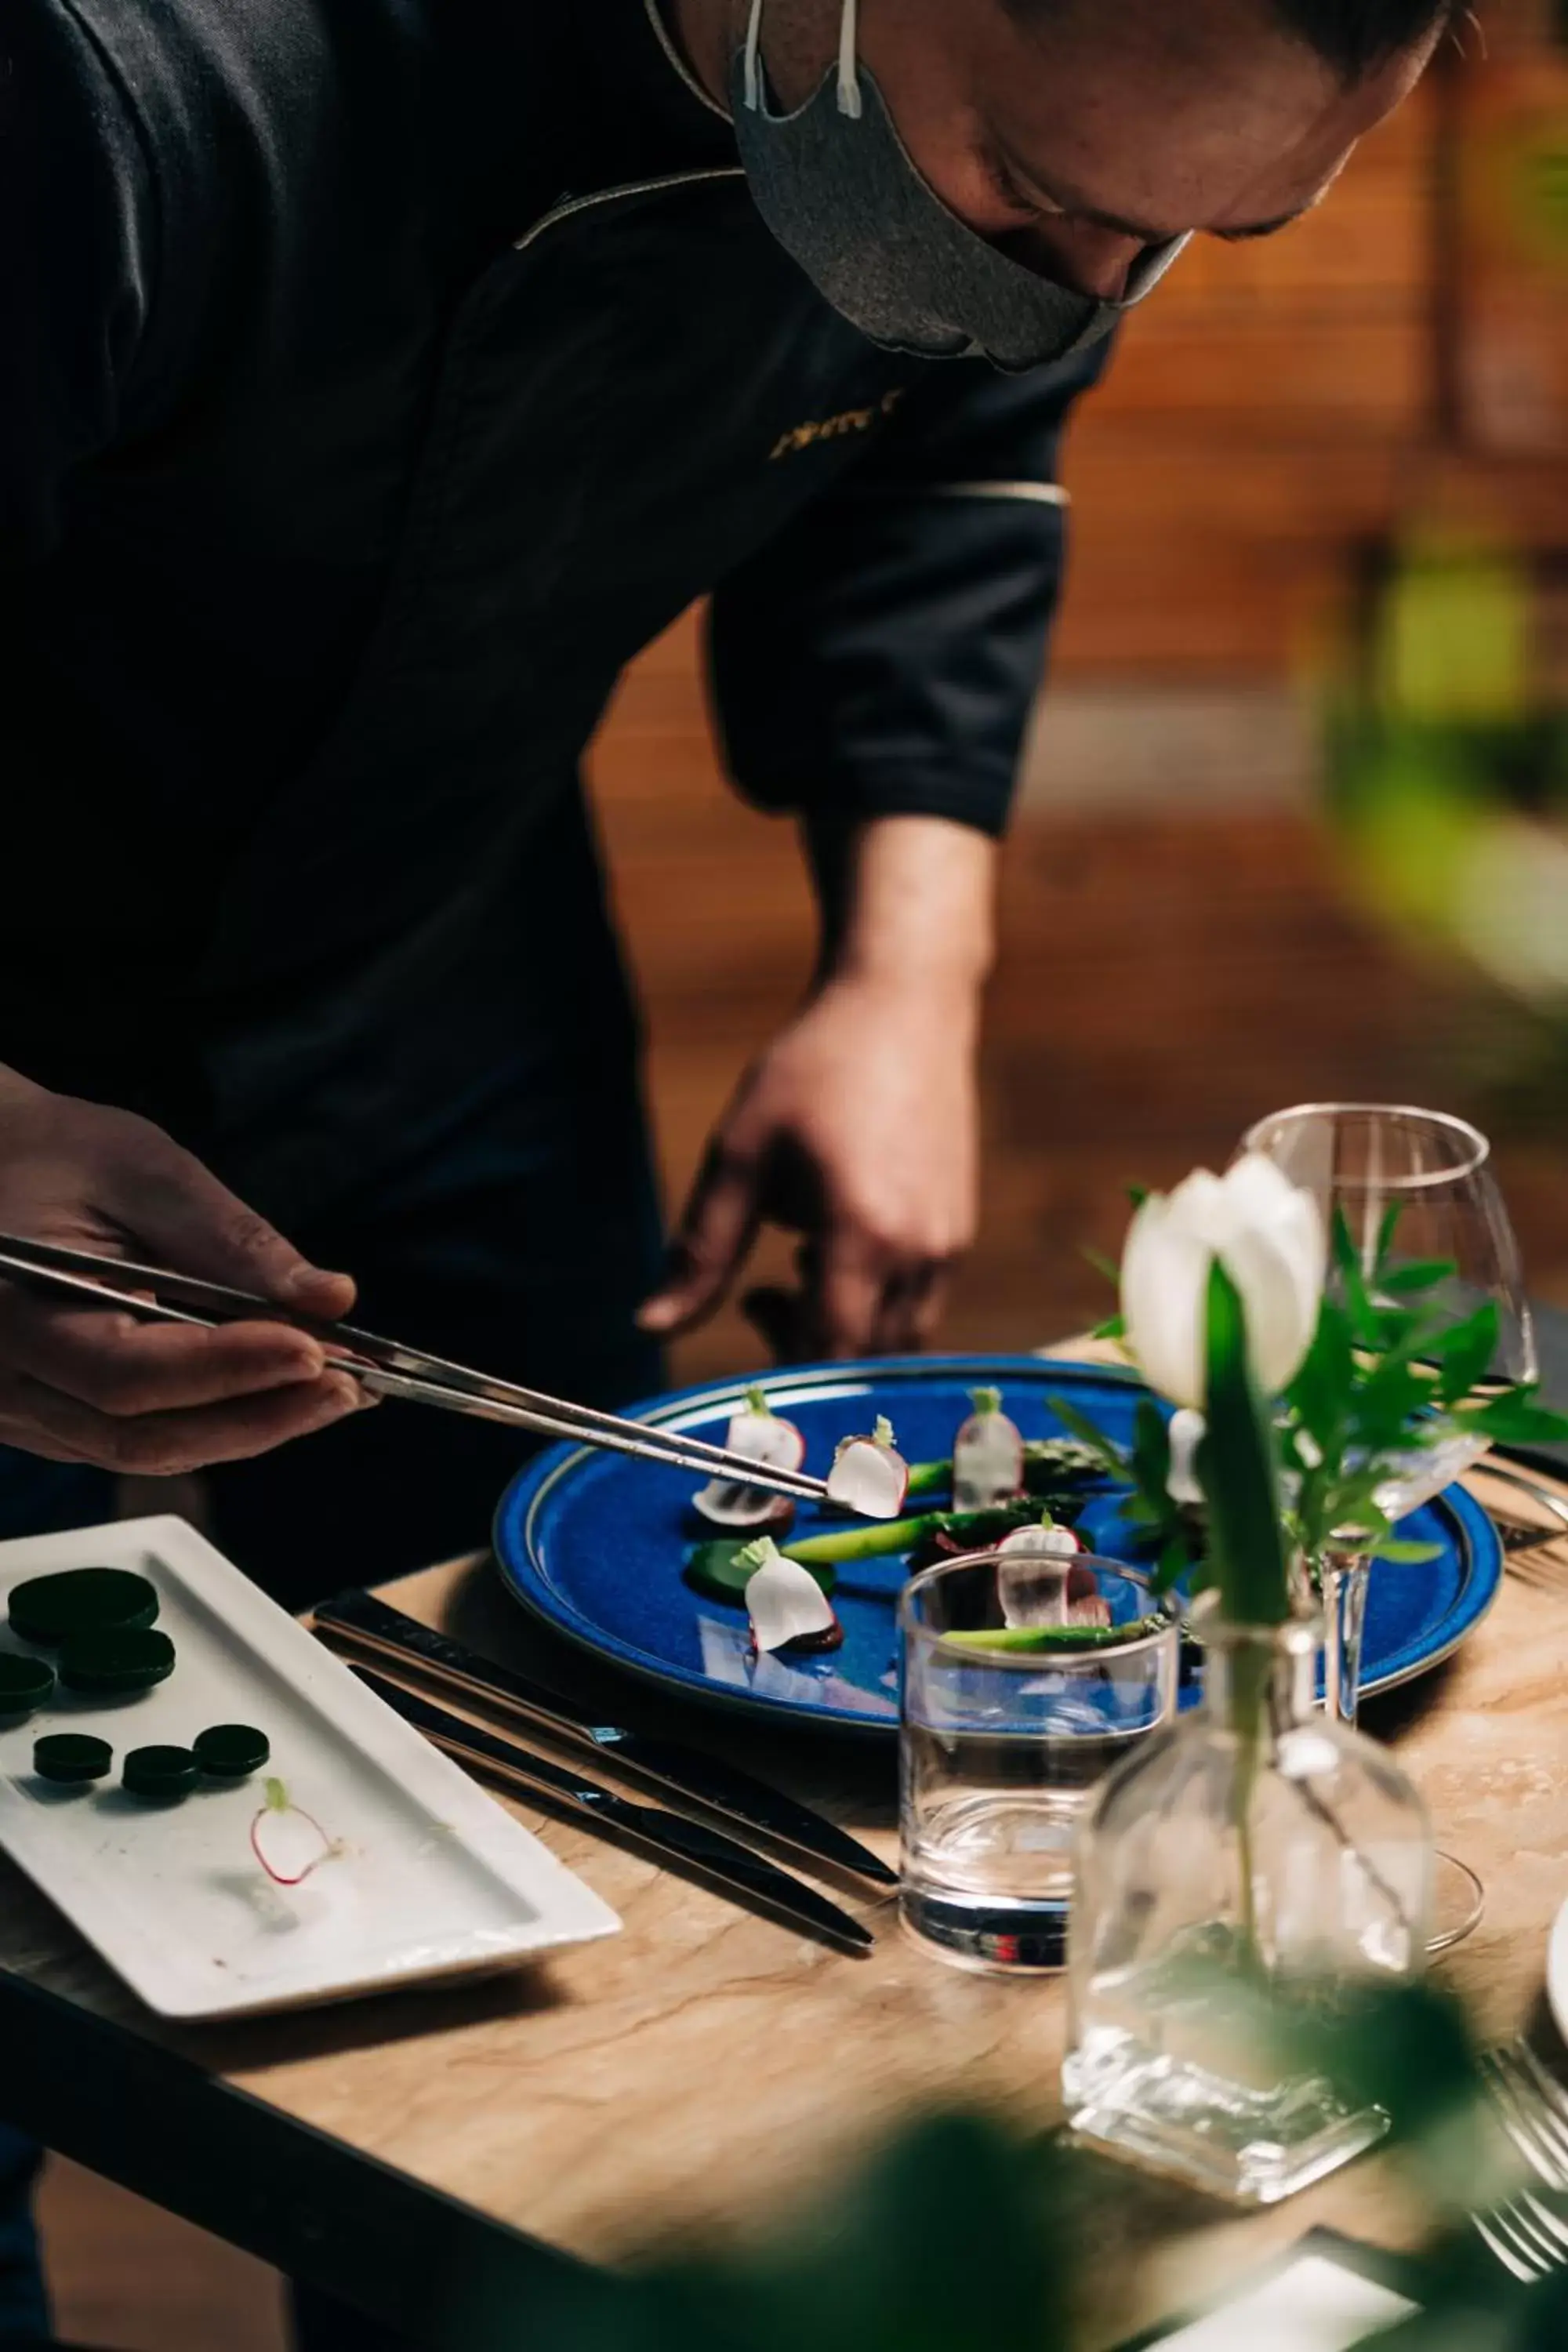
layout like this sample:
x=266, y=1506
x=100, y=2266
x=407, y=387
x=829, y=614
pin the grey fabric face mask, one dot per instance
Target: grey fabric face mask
x=836, y=185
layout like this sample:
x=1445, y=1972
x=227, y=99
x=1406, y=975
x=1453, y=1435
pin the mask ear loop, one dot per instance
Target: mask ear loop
x=752, y=79
x=849, y=100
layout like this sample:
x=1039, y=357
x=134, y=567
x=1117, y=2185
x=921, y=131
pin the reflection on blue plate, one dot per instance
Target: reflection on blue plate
x=595, y=1542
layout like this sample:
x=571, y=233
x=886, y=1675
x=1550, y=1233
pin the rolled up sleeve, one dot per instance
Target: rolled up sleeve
x=881, y=658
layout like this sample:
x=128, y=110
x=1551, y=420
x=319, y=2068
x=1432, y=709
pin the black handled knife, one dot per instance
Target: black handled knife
x=356, y=1621
x=730, y=1867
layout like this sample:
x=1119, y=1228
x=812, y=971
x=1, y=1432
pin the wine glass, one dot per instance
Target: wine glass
x=1414, y=1190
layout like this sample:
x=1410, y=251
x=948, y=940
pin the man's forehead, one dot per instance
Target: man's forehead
x=1155, y=139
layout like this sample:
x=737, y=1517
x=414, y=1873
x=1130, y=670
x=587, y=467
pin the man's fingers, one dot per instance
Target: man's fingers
x=164, y=1444
x=178, y=1210
x=849, y=1295
x=912, y=1309
x=124, y=1367
x=716, y=1233
x=779, y=1316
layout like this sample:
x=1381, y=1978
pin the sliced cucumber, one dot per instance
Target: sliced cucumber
x=232, y=1751
x=52, y=1609
x=71, y=1757
x=161, y=1772
x=25, y=1683
x=114, y=1662
x=713, y=1570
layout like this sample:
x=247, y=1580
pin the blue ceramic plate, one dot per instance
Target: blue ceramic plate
x=595, y=1542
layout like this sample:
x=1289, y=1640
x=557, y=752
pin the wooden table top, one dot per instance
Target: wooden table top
x=694, y=2071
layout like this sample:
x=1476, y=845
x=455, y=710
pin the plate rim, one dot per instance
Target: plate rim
x=565, y=1908
x=1481, y=1550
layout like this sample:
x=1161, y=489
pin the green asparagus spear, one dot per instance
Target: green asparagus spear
x=1042, y=1639
x=881, y=1540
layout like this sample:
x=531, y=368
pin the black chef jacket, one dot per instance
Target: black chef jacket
x=376, y=377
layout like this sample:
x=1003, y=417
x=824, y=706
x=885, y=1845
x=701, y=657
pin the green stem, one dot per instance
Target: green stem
x=1251, y=1671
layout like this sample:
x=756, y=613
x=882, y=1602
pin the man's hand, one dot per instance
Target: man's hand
x=88, y=1384
x=857, y=1128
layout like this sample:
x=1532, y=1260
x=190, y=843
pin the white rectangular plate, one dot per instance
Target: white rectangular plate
x=428, y=1876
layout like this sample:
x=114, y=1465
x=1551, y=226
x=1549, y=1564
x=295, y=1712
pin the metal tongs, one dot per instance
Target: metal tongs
x=384, y=1366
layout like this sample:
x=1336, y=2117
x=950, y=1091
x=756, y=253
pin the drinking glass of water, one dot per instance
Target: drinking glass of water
x=1414, y=1190
x=1023, y=1680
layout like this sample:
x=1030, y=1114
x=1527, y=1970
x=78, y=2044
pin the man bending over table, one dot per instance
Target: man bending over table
x=376, y=377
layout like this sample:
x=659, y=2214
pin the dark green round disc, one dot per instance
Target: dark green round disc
x=232, y=1751
x=159, y=1773
x=25, y=1683
x=112, y=1664
x=51, y=1609
x=71, y=1756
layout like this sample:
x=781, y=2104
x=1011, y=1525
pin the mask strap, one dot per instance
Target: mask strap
x=752, y=87
x=849, y=101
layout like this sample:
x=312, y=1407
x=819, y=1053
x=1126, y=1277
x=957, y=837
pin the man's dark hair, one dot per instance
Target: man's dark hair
x=1354, y=36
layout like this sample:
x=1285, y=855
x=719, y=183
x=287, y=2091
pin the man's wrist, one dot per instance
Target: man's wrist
x=918, y=911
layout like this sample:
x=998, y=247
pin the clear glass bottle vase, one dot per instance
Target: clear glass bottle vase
x=1257, y=1843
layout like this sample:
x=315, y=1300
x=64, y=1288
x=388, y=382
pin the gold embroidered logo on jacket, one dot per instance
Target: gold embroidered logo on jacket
x=834, y=428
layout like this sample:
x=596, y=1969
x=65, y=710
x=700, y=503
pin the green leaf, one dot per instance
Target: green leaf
x=1320, y=1390
x=1406, y=1553
x=1388, y=1226
x=1515, y=1419
x=1465, y=1350
x=1421, y=1274
x=1104, y=1448
x=1175, y=1559
x=1113, y=1328
x=1105, y=1266
x=1151, y=1453
x=1239, y=1470
x=1138, y=1195
x=1358, y=1302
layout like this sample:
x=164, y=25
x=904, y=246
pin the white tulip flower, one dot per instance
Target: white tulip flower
x=1270, y=1237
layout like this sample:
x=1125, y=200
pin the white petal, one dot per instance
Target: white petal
x=1164, y=1292
x=1276, y=1340
x=784, y=1603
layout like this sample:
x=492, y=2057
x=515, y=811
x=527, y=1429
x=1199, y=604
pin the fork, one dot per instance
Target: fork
x=1526, y=2235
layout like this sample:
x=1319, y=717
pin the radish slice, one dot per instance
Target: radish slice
x=869, y=1476
x=987, y=1455
x=1187, y=1431
x=288, y=1841
x=786, y=1605
x=761, y=1435
x=1032, y=1574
